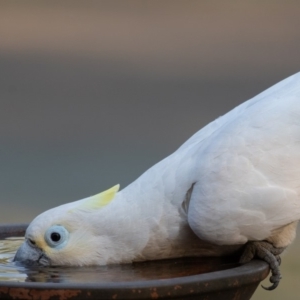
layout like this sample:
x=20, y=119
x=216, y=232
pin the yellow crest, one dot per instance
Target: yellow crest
x=99, y=200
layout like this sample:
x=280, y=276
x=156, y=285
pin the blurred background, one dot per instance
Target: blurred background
x=92, y=93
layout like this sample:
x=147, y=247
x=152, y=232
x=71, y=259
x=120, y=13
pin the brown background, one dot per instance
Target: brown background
x=92, y=93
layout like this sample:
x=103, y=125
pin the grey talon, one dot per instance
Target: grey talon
x=267, y=252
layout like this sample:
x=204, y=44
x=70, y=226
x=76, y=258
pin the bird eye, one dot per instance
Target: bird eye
x=56, y=235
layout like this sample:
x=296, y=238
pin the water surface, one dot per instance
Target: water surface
x=8, y=270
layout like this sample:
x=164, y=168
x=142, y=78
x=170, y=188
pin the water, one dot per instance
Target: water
x=10, y=271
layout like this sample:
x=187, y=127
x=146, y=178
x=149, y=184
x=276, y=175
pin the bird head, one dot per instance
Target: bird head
x=67, y=235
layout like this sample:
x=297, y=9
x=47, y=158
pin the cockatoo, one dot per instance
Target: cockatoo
x=235, y=184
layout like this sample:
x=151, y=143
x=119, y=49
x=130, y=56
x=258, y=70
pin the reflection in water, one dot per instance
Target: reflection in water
x=9, y=271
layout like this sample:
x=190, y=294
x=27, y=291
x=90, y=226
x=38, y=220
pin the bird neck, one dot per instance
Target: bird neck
x=149, y=211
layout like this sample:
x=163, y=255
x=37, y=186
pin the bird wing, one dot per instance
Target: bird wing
x=247, y=175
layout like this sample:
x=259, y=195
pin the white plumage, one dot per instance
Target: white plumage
x=234, y=181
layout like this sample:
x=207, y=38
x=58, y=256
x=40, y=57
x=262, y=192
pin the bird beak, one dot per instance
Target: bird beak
x=31, y=255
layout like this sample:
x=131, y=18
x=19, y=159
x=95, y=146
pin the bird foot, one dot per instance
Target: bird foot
x=267, y=252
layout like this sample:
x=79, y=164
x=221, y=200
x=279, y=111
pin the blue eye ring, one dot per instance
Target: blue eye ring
x=56, y=236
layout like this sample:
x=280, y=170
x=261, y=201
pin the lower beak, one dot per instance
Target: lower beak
x=31, y=255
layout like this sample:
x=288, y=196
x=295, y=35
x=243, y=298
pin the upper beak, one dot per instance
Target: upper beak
x=31, y=255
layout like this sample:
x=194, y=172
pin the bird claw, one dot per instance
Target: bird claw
x=267, y=252
x=275, y=279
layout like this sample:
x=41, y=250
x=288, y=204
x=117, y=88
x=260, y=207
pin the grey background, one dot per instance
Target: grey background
x=92, y=93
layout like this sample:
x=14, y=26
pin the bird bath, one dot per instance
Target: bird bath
x=187, y=278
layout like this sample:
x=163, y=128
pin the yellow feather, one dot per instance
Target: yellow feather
x=100, y=200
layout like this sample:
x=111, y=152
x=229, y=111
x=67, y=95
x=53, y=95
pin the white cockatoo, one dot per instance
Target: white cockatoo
x=234, y=184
